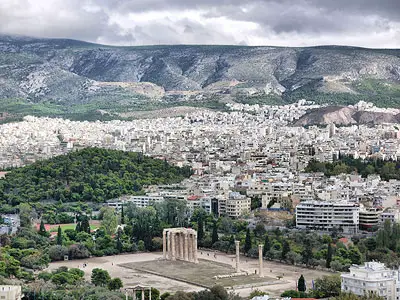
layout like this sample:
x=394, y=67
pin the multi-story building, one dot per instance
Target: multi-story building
x=372, y=277
x=139, y=201
x=369, y=218
x=235, y=205
x=198, y=202
x=326, y=216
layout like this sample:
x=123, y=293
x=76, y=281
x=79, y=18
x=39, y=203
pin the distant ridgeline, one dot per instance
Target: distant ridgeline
x=347, y=164
x=91, y=174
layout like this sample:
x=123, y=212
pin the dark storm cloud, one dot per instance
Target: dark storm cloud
x=287, y=22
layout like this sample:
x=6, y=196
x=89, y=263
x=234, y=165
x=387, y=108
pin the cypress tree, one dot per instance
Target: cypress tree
x=122, y=215
x=42, y=229
x=200, y=231
x=285, y=249
x=247, y=242
x=85, y=226
x=215, y=233
x=307, y=252
x=267, y=245
x=329, y=256
x=119, y=242
x=78, y=227
x=301, y=284
x=59, y=236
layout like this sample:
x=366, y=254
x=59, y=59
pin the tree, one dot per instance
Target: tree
x=354, y=255
x=307, y=252
x=200, y=231
x=179, y=296
x=25, y=211
x=119, y=245
x=85, y=226
x=247, y=242
x=256, y=293
x=215, y=233
x=42, y=229
x=219, y=292
x=349, y=296
x=115, y=284
x=122, y=214
x=329, y=254
x=267, y=245
x=327, y=286
x=78, y=227
x=110, y=221
x=164, y=296
x=285, y=249
x=100, y=277
x=301, y=284
x=59, y=236
x=259, y=230
x=78, y=251
x=57, y=252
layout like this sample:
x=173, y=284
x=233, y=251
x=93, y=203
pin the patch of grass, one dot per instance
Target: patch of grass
x=70, y=226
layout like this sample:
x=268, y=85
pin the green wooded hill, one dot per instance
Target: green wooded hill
x=91, y=174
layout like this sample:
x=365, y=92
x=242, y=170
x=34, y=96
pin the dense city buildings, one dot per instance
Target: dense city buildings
x=249, y=149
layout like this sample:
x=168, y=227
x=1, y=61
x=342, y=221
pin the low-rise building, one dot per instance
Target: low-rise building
x=10, y=292
x=372, y=277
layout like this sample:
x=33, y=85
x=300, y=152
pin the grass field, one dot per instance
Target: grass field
x=54, y=228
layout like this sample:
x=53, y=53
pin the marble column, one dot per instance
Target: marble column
x=260, y=260
x=169, y=240
x=142, y=294
x=190, y=248
x=195, y=259
x=237, y=243
x=173, y=246
x=164, y=244
x=181, y=250
x=186, y=247
x=149, y=293
x=177, y=248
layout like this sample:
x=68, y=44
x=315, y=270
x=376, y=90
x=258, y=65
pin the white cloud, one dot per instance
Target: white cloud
x=254, y=22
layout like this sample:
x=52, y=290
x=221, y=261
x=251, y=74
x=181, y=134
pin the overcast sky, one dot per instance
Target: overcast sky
x=366, y=23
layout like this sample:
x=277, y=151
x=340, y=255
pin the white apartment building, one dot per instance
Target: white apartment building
x=372, y=277
x=328, y=215
x=10, y=292
x=198, y=202
x=139, y=201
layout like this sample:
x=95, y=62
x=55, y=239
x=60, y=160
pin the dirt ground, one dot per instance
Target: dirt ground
x=278, y=277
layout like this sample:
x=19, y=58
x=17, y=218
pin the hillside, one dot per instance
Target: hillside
x=91, y=174
x=72, y=78
x=347, y=115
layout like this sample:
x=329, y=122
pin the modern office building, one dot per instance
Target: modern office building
x=369, y=218
x=326, y=216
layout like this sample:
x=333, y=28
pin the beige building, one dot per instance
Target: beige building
x=372, y=277
x=235, y=205
x=10, y=292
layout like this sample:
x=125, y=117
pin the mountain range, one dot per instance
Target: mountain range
x=73, y=78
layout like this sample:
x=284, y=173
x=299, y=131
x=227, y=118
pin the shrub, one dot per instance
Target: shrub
x=57, y=252
x=78, y=251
